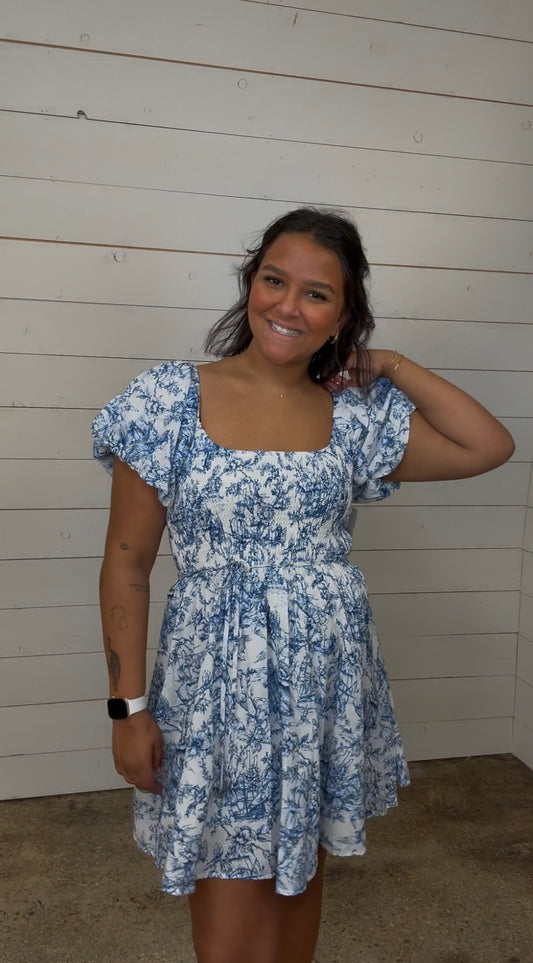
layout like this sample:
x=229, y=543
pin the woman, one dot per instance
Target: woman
x=269, y=736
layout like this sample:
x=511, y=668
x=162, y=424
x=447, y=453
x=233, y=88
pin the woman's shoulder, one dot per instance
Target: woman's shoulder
x=381, y=404
x=169, y=373
x=359, y=405
x=171, y=379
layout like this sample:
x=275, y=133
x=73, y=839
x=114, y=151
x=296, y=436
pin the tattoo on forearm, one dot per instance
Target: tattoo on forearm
x=139, y=587
x=113, y=663
x=118, y=615
x=124, y=547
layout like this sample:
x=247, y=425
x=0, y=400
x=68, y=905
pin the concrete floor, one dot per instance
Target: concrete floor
x=448, y=877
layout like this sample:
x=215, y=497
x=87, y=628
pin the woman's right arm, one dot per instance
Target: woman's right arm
x=136, y=523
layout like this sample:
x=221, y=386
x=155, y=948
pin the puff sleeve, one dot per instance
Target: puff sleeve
x=143, y=426
x=378, y=430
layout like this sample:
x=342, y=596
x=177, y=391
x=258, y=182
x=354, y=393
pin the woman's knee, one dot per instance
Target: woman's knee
x=235, y=921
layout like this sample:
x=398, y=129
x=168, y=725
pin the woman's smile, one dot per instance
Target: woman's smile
x=286, y=332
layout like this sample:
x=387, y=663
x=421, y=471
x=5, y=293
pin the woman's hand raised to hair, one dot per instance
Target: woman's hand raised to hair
x=347, y=378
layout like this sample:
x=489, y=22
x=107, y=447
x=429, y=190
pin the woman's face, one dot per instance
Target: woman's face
x=296, y=299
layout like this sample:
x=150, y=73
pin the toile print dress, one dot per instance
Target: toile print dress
x=269, y=685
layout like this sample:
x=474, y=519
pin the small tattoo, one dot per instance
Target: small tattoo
x=119, y=616
x=139, y=587
x=113, y=663
x=124, y=547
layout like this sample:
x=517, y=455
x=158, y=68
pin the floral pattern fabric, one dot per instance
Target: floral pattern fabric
x=269, y=685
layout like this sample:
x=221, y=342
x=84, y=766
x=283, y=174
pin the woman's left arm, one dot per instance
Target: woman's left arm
x=451, y=434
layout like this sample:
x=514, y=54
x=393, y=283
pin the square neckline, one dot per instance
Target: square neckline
x=261, y=451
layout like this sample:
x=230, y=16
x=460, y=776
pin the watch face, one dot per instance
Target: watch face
x=117, y=708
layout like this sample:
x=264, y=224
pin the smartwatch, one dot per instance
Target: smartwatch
x=122, y=708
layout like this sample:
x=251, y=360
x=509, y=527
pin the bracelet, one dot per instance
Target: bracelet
x=395, y=361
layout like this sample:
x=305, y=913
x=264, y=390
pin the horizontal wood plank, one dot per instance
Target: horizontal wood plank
x=35, y=433
x=55, y=773
x=524, y=703
x=504, y=392
x=39, y=209
x=449, y=656
x=512, y=19
x=38, y=681
x=454, y=613
x=505, y=485
x=81, y=532
x=436, y=700
x=523, y=743
x=527, y=573
x=528, y=531
x=524, y=661
x=63, y=272
x=457, y=738
x=526, y=617
x=61, y=630
x=270, y=39
x=57, y=582
x=522, y=431
x=444, y=570
x=373, y=167
x=54, y=727
x=447, y=345
x=108, y=330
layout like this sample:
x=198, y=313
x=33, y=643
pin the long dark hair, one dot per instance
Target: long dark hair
x=231, y=334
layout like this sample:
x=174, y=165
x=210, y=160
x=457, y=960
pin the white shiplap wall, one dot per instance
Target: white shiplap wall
x=141, y=146
x=523, y=723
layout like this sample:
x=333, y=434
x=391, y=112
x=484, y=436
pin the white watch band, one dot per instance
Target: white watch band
x=136, y=705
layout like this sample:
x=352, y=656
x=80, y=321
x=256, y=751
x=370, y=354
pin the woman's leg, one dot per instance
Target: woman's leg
x=235, y=921
x=239, y=921
x=300, y=919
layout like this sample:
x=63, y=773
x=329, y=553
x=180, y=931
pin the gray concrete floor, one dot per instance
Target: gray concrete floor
x=448, y=877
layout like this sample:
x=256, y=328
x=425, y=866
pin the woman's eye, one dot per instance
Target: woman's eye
x=271, y=280
x=317, y=296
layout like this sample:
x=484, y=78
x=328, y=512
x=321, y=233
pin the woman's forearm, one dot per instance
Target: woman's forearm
x=124, y=605
x=448, y=409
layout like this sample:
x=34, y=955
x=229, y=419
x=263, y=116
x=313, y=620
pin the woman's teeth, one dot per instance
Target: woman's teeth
x=290, y=332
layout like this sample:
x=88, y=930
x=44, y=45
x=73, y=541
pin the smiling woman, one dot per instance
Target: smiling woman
x=336, y=246
x=269, y=736
x=296, y=297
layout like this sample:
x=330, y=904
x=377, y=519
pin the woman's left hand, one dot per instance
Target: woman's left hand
x=347, y=378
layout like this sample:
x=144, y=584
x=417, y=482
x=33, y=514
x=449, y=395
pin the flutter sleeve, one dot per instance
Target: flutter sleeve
x=143, y=426
x=378, y=430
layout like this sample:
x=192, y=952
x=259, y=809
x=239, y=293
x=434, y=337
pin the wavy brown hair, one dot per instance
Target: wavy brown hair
x=231, y=334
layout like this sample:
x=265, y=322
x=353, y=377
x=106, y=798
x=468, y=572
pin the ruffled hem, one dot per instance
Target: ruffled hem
x=174, y=885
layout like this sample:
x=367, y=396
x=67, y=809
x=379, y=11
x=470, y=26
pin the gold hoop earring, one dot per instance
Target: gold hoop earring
x=333, y=338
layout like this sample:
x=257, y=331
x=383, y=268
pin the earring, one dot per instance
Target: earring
x=333, y=338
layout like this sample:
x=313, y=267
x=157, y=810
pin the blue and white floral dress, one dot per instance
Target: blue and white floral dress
x=269, y=686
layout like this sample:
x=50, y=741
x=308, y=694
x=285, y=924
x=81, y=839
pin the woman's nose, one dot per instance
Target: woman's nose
x=288, y=303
